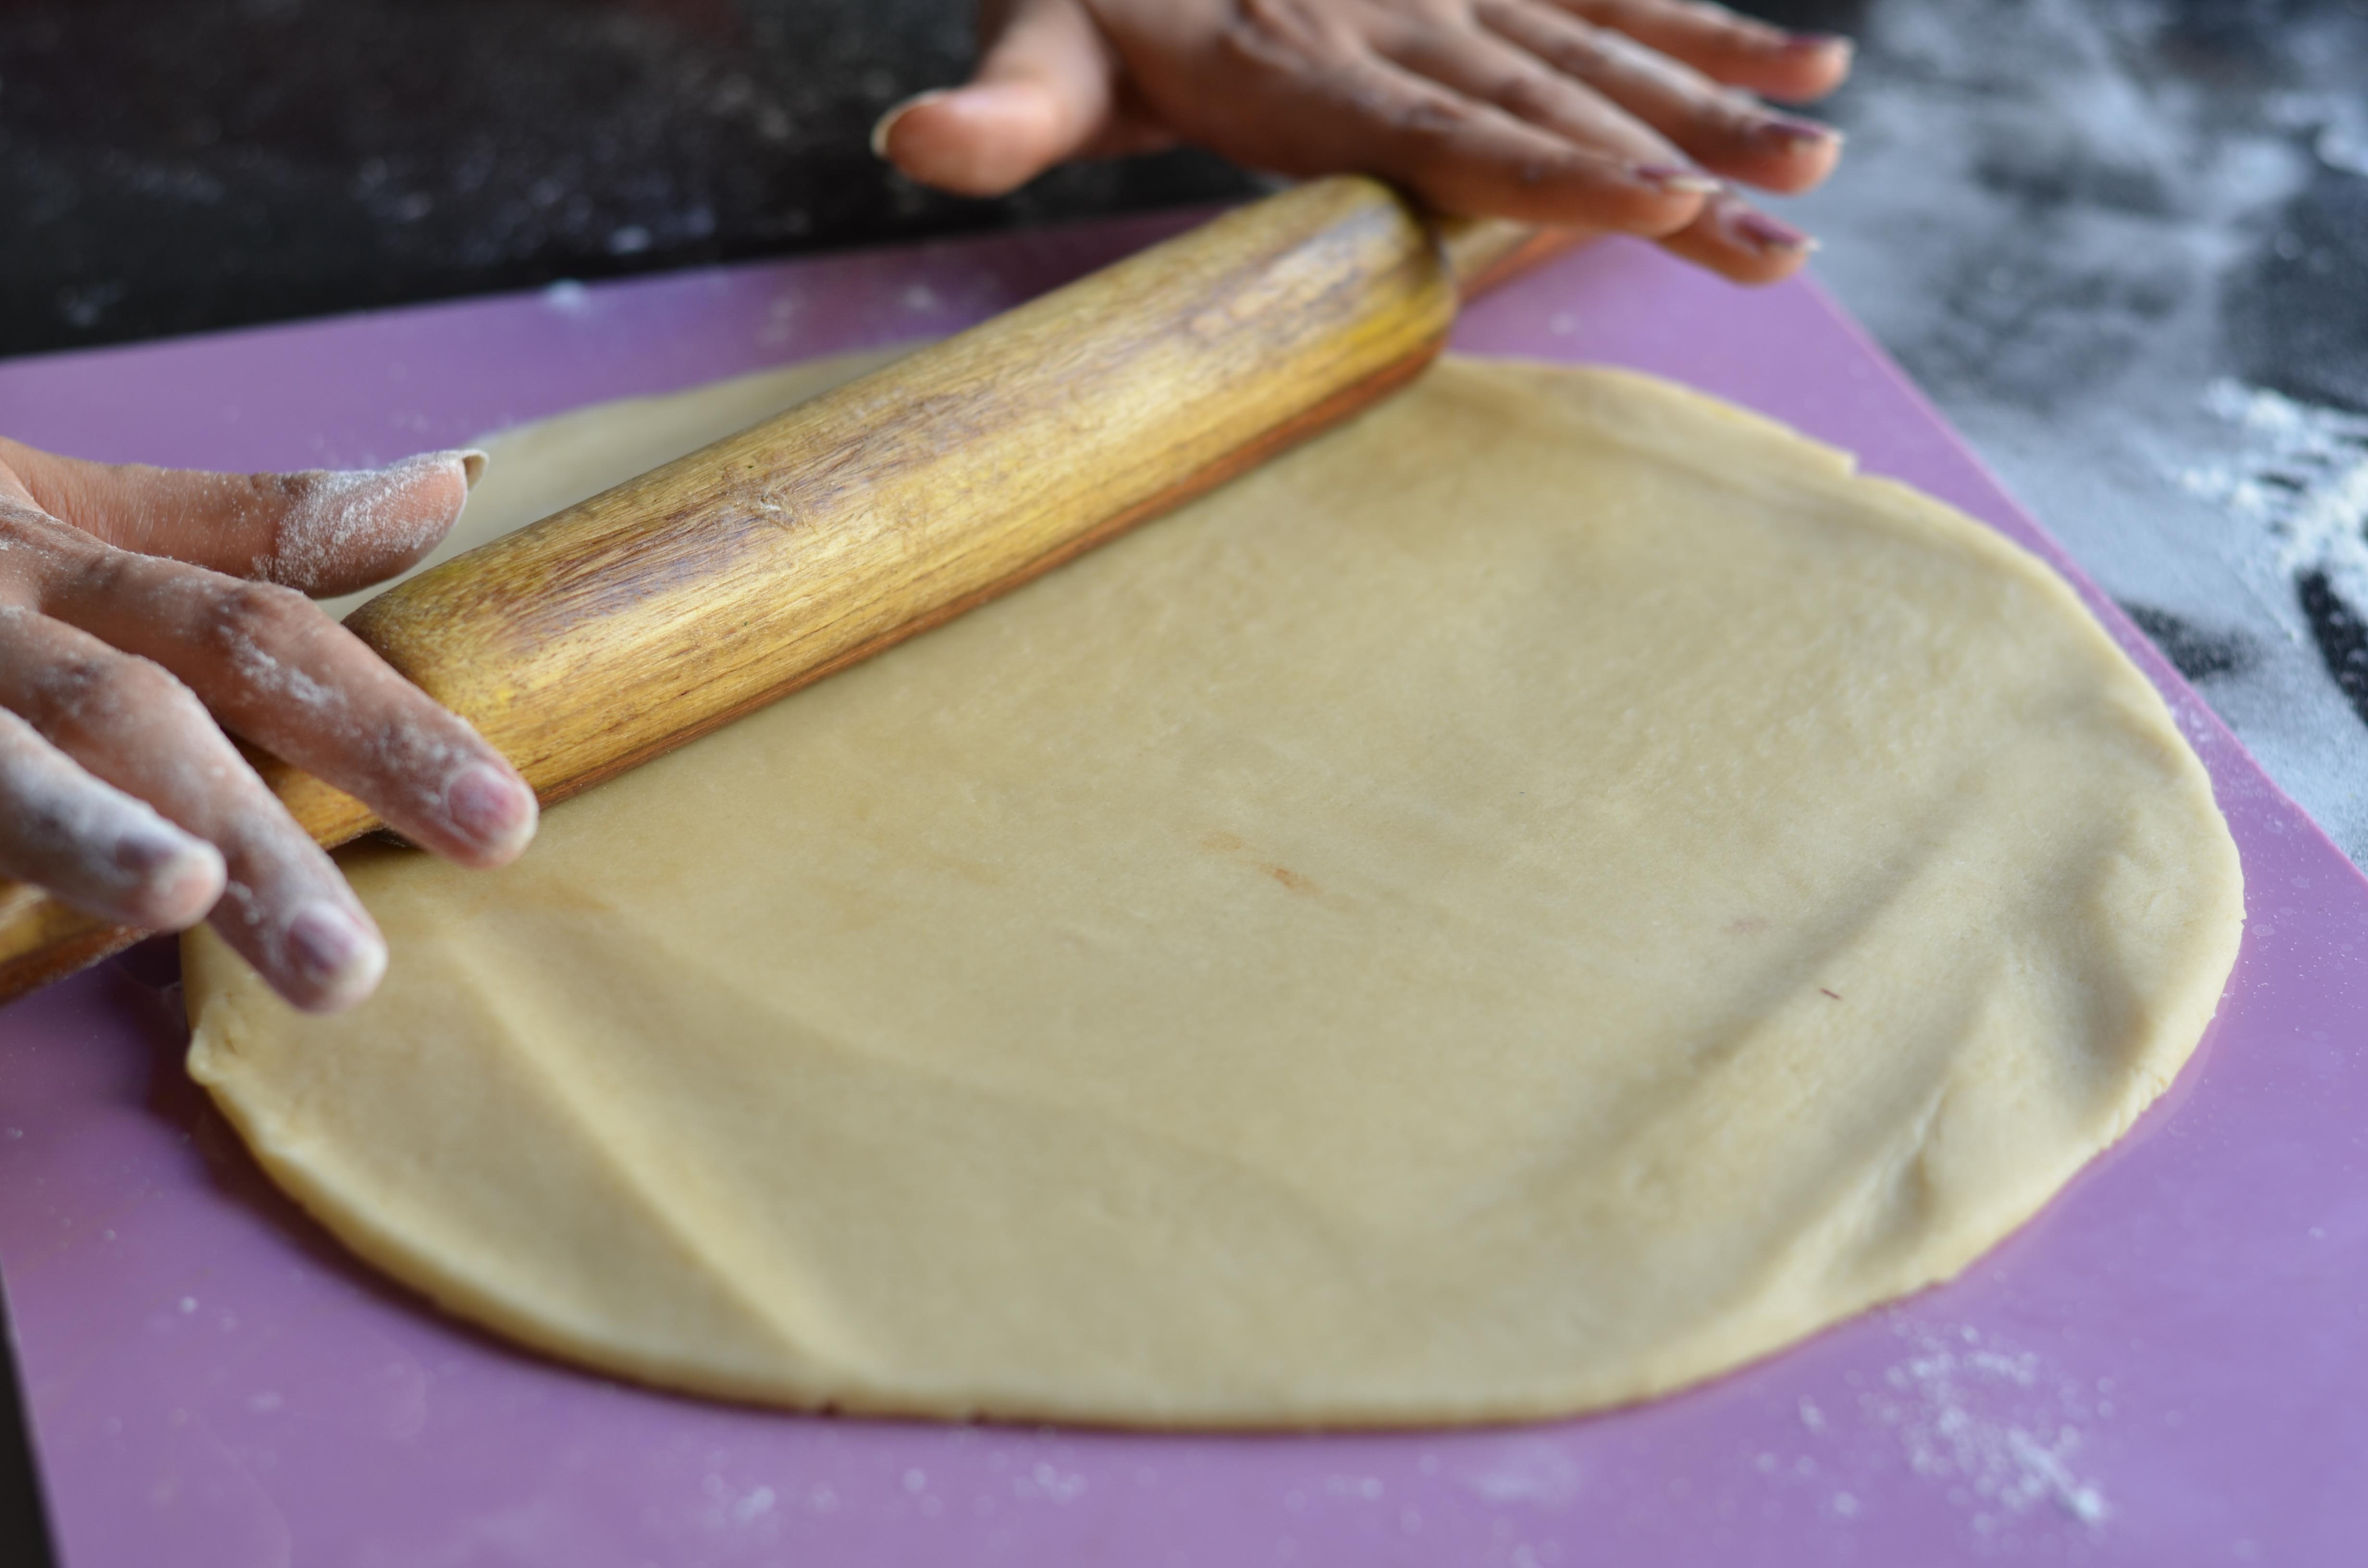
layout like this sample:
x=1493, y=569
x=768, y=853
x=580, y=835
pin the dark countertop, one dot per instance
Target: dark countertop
x=2122, y=243
x=175, y=166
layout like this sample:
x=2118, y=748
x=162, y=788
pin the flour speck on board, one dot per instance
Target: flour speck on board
x=1525, y=1469
x=1051, y=1484
x=726, y=1509
x=1986, y=1420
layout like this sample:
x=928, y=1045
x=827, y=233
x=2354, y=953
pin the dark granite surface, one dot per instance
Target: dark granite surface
x=2124, y=244
x=173, y=165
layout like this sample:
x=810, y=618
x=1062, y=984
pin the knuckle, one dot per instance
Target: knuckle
x=1435, y=128
x=270, y=640
x=241, y=614
x=74, y=684
x=100, y=572
x=1729, y=118
x=1427, y=113
x=1584, y=50
x=1280, y=40
x=258, y=603
x=1272, y=31
x=87, y=692
x=1243, y=49
x=1530, y=95
x=20, y=523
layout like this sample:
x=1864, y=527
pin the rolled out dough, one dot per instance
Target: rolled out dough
x=1548, y=893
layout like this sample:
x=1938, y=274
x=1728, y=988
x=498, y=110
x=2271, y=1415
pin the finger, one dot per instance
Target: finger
x=92, y=846
x=1043, y=93
x=284, y=907
x=1738, y=51
x=1503, y=71
x=275, y=669
x=1459, y=154
x=323, y=531
x=1738, y=240
x=1723, y=130
x=1129, y=134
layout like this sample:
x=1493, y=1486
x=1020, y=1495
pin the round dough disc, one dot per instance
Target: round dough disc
x=1549, y=892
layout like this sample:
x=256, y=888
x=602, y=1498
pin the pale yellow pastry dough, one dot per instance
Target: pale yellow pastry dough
x=1553, y=891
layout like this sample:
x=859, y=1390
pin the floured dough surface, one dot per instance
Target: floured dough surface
x=1548, y=893
x=538, y=468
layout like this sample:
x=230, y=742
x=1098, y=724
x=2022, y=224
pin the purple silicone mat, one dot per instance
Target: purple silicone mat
x=2164, y=1368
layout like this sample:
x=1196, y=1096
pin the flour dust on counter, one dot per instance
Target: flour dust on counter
x=1545, y=893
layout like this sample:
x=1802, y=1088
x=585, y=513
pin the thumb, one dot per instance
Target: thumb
x=324, y=531
x=1043, y=92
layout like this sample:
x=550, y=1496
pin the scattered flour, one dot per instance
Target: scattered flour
x=1982, y=1418
x=2336, y=124
x=1050, y=1482
x=2301, y=474
x=64, y=822
x=266, y=673
x=346, y=526
x=1526, y=1469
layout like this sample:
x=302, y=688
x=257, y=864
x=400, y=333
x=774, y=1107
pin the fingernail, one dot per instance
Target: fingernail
x=147, y=849
x=1789, y=130
x=1812, y=43
x=177, y=875
x=490, y=807
x=1675, y=181
x=887, y=122
x=472, y=464
x=330, y=949
x=1764, y=233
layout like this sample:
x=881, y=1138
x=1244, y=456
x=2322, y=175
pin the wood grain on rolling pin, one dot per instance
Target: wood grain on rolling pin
x=635, y=622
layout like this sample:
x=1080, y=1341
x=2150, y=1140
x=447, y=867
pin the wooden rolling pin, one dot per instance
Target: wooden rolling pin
x=622, y=627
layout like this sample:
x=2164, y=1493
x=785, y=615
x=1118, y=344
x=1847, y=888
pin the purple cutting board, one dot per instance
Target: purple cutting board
x=2162, y=1369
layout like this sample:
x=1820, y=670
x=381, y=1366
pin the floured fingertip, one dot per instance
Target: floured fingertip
x=174, y=877
x=492, y=809
x=346, y=528
x=335, y=959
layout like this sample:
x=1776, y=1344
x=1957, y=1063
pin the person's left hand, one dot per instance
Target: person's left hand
x=1605, y=115
x=147, y=615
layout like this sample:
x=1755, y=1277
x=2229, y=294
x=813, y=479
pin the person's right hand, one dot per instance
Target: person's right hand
x=1598, y=116
x=145, y=611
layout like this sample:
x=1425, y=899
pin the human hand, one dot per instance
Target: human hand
x=1605, y=115
x=145, y=611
